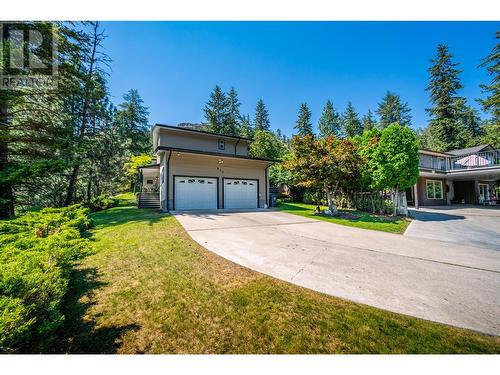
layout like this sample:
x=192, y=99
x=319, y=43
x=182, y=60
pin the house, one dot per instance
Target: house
x=465, y=176
x=199, y=170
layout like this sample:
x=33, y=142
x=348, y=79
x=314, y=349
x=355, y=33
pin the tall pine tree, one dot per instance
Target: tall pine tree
x=132, y=122
x=329, y=122
x=445, y=126
x=216, y=111
x=392, y=110
x=232, y=127
x=261, y=121
x=368, y=121
x=491, y=103
x=303, y=124
x=246, y=129
x=351, y=123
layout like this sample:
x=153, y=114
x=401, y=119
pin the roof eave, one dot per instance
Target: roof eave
x=217, y=154
x=202, y=132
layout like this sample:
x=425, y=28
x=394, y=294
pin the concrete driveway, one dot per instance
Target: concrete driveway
x=457, y=285
x=466, y=225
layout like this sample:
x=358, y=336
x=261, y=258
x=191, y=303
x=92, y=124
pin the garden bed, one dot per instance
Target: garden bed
x=352, y=218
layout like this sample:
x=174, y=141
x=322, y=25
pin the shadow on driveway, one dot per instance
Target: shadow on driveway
x=434, y=216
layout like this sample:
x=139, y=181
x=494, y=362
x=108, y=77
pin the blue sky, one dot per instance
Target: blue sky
x=175, y=65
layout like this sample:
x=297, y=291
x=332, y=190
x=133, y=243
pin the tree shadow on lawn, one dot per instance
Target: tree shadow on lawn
x=80, y=335
x=125, y=214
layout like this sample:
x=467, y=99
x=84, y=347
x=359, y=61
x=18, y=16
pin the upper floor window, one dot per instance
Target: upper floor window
x=221, y=145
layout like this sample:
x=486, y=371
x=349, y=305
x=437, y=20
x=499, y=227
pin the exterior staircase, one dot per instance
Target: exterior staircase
x=148, y=200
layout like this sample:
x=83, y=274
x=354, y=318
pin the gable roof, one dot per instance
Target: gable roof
x=469, y=150
x=202, y=132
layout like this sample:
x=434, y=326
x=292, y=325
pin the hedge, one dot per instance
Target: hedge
x=37, y=252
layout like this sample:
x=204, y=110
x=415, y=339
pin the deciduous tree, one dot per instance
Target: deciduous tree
x=328, y=164
x=394, y=161
x=266, y=145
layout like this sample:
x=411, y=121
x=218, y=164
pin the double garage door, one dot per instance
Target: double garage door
x=200, y=193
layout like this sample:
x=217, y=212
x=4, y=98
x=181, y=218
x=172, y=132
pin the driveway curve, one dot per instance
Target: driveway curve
x=448, y=283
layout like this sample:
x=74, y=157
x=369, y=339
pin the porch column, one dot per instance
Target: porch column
x=163, y=181
x=415, y=195
x=476, y=191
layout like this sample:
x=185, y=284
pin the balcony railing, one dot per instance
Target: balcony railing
x=483, y=159
x=477, y=160
x=432, y=162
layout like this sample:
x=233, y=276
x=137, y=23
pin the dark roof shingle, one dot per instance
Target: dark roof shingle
x=468, y=150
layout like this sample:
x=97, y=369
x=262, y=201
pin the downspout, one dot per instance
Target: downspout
x=236, y=145
x=265, y=179
x=168, y=176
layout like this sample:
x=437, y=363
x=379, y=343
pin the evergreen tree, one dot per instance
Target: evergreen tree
x=261, y=121
x=246, y=129
x=329, y=122
x=392, y=110
x=445, y=126
x=92, y=100
x=131, y=120
x=492, y=63
x=303, y=124
x=232, y=127
x=469, y=122
x=351, y=123
x=490, y=134
x=35, y=125
x=216, y=111
x=368, y=121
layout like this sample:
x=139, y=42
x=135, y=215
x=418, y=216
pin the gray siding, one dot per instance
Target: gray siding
x=201, y=142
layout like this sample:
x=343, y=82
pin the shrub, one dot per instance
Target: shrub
x=37, y=252
x=102, y=202
x=377, y=202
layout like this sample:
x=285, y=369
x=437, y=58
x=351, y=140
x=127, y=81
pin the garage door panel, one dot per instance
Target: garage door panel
x=195, y=193
x=240, y=193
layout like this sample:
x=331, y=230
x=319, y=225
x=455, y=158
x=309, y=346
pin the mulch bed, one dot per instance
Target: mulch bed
x=341, y=215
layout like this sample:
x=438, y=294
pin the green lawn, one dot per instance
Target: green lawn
x=148, y=288
x=366, y=220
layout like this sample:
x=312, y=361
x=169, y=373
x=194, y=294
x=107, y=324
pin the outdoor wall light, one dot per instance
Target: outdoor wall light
x=220, y=161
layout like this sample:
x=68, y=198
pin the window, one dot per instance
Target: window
x=434, y=189
x=149, y=182
x=221, y=144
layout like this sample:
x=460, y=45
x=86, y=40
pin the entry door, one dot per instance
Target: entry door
x=240, y=193
x=195, y=193
x=483, y=193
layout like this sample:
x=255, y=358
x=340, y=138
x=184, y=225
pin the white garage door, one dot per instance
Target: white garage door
x=240, y=193
x=195, y=193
